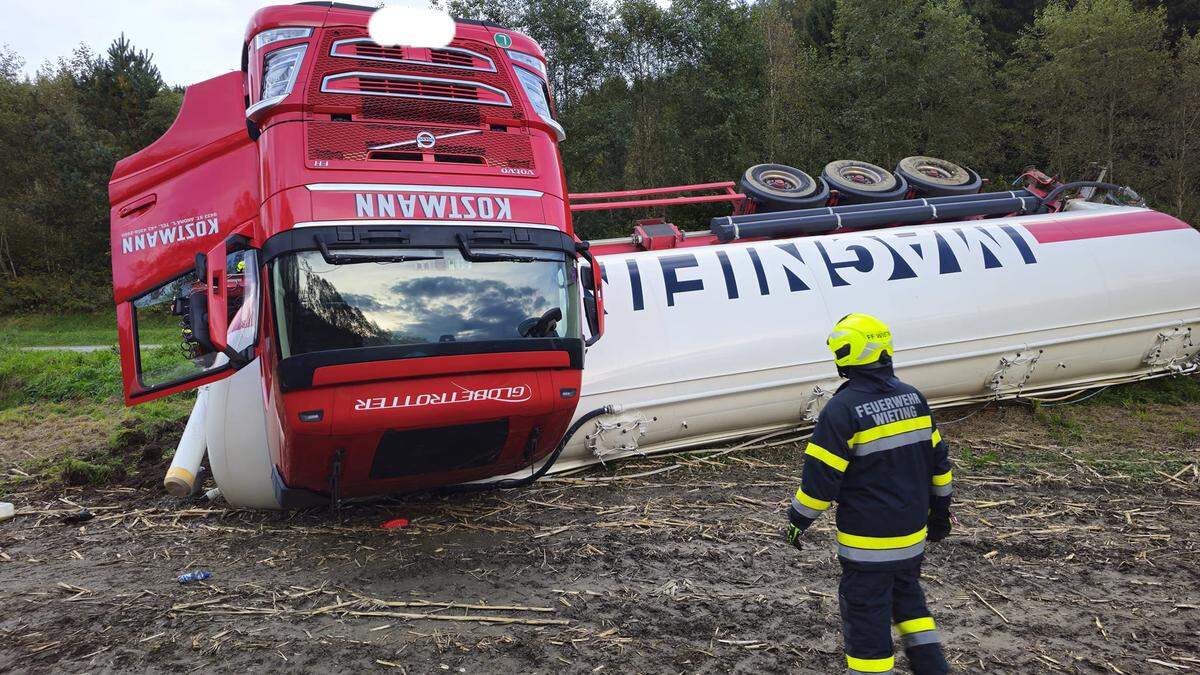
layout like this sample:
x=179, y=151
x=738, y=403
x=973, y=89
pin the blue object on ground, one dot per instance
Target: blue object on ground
x=193, y=576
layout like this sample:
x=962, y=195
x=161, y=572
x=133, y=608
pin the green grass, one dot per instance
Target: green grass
x=972, y=460
x=28, y=377
x=1138, y=431
x=1165, y=391
x=73, y=471
x=87, y=443
x=1125, y=462
x=100, y=328
x=1187, y=430
x=63, y=410
x=1061, y=424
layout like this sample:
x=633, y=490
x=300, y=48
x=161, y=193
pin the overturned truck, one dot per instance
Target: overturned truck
x=370, y=253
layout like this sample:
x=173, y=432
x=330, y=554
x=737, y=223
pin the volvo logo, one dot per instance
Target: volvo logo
x=425, y=140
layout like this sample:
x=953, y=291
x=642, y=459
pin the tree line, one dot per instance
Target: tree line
x=690, y=93
x=62, y=131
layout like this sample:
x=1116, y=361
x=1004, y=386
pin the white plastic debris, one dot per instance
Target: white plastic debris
x=180, y=480
x=7, y=511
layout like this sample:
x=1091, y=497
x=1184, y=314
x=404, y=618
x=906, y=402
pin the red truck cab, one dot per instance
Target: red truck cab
x=383, y=233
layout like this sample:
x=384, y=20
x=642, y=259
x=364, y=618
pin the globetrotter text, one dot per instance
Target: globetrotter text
x=515, y=394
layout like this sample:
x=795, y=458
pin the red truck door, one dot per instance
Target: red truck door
x=174, y=206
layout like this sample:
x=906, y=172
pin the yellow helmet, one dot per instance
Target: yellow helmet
x=859, y=340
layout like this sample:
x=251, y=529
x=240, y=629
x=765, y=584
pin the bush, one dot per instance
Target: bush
x=45, y=294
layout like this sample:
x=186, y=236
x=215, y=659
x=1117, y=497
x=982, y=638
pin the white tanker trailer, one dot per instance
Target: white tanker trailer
x=717, y=341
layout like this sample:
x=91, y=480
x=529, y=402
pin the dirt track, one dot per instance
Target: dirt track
x=1058, y=565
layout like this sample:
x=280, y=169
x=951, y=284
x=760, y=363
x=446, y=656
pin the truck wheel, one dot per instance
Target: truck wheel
x=775, y=187
x=862, y=182
x=933, y=177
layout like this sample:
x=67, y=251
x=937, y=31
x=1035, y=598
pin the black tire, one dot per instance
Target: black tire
x=776, y=187
x=862, y=182
x=933, y=177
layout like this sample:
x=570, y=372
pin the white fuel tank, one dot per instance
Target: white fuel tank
x=708, y=343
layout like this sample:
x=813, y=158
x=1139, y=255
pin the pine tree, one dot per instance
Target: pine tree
x=117, y=90
x=15, y=107
x=1183, y=16
x=1003, y=20
x=818, y=22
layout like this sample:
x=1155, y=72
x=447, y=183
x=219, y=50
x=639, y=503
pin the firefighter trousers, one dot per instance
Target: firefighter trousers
x=871, y=603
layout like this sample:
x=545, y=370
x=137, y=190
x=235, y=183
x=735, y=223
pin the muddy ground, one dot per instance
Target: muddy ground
x=1076, y=552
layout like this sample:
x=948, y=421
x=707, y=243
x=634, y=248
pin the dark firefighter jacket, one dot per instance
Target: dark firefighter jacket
x=877, y=453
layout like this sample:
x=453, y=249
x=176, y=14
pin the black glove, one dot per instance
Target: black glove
x=797, y=524
x=939, y=526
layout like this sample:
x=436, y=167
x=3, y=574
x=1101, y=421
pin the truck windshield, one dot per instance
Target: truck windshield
x=415, y=296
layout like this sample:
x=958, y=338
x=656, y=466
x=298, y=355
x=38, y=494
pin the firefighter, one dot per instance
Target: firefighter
x=877, y=453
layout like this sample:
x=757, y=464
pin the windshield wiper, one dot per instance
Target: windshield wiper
x=473, y=256
x=337, y=259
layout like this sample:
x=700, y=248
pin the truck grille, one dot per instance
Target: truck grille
x=414, y=452
x=459, y=85
x=354, y=142
x=415, y=86
x=457, y=58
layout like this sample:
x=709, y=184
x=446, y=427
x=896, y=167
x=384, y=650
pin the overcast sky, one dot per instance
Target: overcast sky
x=192, y=40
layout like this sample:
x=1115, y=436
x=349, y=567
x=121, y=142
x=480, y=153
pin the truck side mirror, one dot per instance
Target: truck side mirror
x=192, y=306
x=232, y=291
x=197, y=321
x=218, y=297
x=593, y=294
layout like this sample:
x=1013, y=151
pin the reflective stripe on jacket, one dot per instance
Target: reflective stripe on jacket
x=877, y=453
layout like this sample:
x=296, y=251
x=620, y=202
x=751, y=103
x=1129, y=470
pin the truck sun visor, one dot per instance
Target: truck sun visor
x=338, y=239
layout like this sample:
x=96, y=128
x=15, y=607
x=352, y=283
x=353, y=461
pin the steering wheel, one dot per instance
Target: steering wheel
x=541, y=326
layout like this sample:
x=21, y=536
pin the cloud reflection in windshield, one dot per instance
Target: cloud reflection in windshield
x=447, y=299
x=469, y=309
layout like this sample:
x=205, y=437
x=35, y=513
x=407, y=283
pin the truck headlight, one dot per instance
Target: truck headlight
x=539, y=96
x=279, y=71
x=280, y=68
